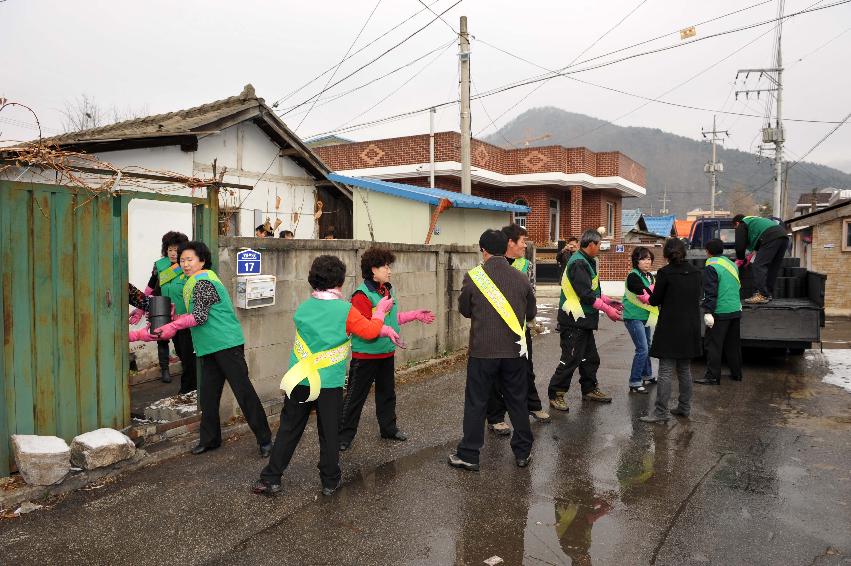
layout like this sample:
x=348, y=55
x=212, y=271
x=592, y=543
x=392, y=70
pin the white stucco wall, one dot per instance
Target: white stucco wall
x=393, y=219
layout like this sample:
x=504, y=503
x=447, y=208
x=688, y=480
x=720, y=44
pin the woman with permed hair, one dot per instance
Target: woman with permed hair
x=640, y=318
x=324, y=325
x=373, y=361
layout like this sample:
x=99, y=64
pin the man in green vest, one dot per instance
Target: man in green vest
x=578, y=316
x=515, y=253
x=722, y=315
x=769, y=241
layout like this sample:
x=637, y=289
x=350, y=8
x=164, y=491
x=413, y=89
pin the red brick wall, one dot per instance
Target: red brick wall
x=615, y=266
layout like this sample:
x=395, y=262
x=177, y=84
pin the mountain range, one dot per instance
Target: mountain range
x=674, y=163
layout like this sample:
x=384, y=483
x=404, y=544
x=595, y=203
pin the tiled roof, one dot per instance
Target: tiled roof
x=661, y=225
x=428, y=195
x=629, y=218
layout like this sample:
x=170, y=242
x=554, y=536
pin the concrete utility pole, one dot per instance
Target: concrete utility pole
x=773, y=134
x=431, y=147
x=664, y=199
x=466, y=126
x=713, y=167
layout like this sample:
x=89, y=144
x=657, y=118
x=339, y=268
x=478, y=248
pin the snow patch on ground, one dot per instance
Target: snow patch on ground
x=840, y=368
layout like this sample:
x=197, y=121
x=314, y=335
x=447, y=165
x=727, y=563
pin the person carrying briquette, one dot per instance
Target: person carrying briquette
x=324, y=324
x=165, y=269
x=499, y=302
x=722, y=315
x=768, y=241
x=373, y=361
x=219, y=343
x=580, y=302
x=676, y=340
x=515, y=253
x=640, y=318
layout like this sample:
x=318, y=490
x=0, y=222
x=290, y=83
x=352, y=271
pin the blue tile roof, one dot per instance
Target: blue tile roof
x=661, y=225
x=427, y=195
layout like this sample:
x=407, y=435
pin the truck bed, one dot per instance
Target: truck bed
x=792, y=323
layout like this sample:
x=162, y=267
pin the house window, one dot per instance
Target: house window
x=554, y=218
x=846, y=235
x=610, y=220
x=520, y=217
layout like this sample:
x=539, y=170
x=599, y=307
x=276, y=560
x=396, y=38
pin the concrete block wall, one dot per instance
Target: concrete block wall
x=423, y=276
x=834, y=263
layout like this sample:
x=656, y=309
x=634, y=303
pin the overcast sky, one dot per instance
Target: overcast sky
x=164, y=56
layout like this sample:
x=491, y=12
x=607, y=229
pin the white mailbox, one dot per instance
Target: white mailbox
x=254, y=291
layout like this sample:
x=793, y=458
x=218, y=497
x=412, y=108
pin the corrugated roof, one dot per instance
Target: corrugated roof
x=629, y=218
x=427, y=195
x=661, y=225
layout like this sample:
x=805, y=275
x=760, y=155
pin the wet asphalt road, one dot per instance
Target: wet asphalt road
x=761, y=474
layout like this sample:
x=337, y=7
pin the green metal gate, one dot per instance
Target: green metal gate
x=64, y=355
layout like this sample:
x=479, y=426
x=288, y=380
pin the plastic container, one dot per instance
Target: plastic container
x=159, y=311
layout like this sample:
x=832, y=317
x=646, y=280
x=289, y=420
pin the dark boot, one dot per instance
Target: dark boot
x=165, y=375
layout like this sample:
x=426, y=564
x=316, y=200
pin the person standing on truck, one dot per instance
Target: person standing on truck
x=722, y=315
x=769, y=241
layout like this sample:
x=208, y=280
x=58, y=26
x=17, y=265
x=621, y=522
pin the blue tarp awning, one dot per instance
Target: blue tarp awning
x=427, y=195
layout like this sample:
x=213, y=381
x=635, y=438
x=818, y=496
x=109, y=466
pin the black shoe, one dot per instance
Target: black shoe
x=679, y=412
x=265, y=450
x=651, y=381
x=708, y=381
x=345, y=446
x=165, y=375
x=638, y=389
x=263, y=487
x=200, y=449
x=523, y=462
x=457, y=462
x=736, y=377
x=398, y=435
x=329, y=491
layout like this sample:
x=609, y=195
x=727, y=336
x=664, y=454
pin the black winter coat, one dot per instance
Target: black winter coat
x=677, y=294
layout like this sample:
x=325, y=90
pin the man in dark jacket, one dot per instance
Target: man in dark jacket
x=769, y=242
x=499, y=302
x=578, y=316
x=722, y=315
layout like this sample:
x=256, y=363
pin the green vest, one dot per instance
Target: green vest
x=166, y=271
x=729, y=300
x=592, y=267
x=222, y=329
x=630, y=311
x=379, y=345
x=756, y=226
x=322, y=326
x=174, y=291
x=521, y=264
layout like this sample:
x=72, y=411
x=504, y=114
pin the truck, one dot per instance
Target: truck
x=793, y=320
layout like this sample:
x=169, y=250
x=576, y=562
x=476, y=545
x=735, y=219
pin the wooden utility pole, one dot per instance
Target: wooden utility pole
x=466, y=126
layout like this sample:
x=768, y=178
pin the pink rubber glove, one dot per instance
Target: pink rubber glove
x=167, y=331
x=148, y=291
x=383, y=307
x=644, y=297
x=740, y=263
x=611, y=302
x=652, y=287
x=172, y=312
x=136, y=316
x=423, y=315
x=610, y=311
x=387, y=332
x=142, y=335
x=749, y=257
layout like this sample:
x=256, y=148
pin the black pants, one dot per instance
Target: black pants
x=723, y=341
x=578, y=350
x=186, y=352
x=162, y=353
x=482, y=373
x=496, y=404
x=294, y=417
x=362, y=373
x=216, y=368
x=767, y=263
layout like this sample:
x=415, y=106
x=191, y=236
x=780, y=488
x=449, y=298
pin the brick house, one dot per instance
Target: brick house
x=822, y=240
x=568, y=190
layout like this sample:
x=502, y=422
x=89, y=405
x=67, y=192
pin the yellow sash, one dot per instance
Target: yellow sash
x=654, y=311
x=309, y=365
x=572, y=305
x=520, y=264
x=728, y=265
x=500, y=304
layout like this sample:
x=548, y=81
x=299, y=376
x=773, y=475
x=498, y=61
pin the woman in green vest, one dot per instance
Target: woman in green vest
x=636, y=316
x=324, y=325
x=219, y=343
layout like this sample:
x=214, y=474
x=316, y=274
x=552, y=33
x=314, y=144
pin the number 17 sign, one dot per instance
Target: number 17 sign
x=248, y=262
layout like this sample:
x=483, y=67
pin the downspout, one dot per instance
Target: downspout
x=444, y=204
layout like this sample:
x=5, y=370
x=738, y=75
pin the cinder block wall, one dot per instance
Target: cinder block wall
x=834, y=263
x=423, y=276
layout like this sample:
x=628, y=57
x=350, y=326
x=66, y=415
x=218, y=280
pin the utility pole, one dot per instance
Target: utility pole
x=664, y=199
x=431, y=147
x=466, y=133
x=713, y=167
x=774, y=134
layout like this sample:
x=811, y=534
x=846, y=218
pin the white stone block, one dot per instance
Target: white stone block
x=41, y=460
x=101, y=447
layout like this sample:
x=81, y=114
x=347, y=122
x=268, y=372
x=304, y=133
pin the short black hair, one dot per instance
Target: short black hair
x=572, y=239
x=674, y=251
x=374, y=257
x=715, y=247
x=200, y=249
x=640, y=253
x=495, y=242
x=326, y=272
x=261, y=228
x=285, y=233
x=514, y=232
x=738, y=218
x=173, y=239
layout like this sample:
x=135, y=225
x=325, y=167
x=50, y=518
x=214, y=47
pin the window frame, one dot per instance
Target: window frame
x=610, y=220
x=846, y=235
x=523, y=217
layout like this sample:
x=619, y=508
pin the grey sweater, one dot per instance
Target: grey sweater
x=490, y=337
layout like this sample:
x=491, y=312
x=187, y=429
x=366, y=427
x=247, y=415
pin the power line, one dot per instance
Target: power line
x=427, y=7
